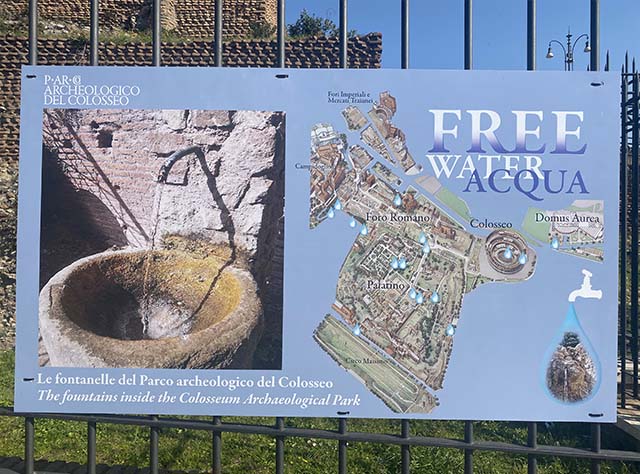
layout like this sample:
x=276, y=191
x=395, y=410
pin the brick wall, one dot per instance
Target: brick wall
x=193, y=18
x=365, y=52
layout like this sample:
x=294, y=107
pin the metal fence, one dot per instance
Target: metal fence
x=629, y=173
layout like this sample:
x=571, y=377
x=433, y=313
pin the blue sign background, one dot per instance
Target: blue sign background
x=504, y=329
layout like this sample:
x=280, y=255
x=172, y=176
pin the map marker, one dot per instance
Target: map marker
x=352, y=223
x=508, y=254
x=394, y=263
x=523, y=258
x=356, y=329
x=435, y=297
x=412, y=293
x=423, y=238
x=338, y=205
x=403, y=263
x=419, y=298
x=364, y=230
x=397, y=200
x=426, y=248
x=331, y=213
x=451, y=330
x=554, y=243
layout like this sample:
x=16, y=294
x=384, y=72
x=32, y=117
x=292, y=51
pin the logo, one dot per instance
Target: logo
x=69, y=90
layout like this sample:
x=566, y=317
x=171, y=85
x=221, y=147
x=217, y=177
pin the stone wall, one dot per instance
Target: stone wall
x=189, y=18
x=116, y=156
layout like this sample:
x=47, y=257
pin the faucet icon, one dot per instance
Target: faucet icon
x=585, y=291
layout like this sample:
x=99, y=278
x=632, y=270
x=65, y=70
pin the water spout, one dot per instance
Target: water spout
x=163, y=174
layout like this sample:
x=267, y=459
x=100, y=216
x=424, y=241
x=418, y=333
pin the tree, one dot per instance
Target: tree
x=262, y=30
x=310, y=25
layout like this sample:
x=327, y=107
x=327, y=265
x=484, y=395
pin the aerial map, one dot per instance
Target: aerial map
x=580, y=228
x=403, y=283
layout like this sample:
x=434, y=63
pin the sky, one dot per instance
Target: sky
x=499, y=30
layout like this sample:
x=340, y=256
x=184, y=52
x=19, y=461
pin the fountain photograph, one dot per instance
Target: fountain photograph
x=161, y=239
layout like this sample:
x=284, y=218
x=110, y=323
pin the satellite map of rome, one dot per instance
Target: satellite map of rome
x=403, y=283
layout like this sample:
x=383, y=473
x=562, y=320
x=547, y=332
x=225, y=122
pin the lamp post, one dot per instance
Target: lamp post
x=569, y=49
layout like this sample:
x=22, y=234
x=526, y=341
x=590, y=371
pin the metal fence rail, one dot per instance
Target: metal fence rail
x=469, y=445
x=280, y=431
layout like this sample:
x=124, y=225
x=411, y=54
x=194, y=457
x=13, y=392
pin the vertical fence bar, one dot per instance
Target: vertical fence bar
x=532, y=442
x=91, y=447
x=280, y=447
x=33, y=32
x=626, y=62
x=282, y=27
x=29, y=444
x=157, y=32
x=468, y=453
x=634, y=232
x=623, y=245
x=406, y=449
x=468, y=34
x=216, y=448
x=531, y=35
x=595, y=35
x=606, y=62
x=153, y=447
x=217, y=34
x=93, y=33
x=596, y=444
x=404, y=18
x=344, y=58
x=342, y=447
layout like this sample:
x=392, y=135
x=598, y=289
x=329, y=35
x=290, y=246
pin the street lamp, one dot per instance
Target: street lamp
x=568, y=51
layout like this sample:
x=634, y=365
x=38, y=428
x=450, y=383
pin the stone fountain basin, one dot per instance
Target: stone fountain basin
x=197, y=314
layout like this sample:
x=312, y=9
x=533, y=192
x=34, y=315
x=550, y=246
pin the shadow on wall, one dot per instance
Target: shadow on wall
x=82, y=170
x=75, y=223
x=268, y=266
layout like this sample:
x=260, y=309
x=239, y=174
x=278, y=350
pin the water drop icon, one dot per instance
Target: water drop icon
x=364, y=230
x=508, y=254
x=571, y=368
x=402, y=263
x=352, y=223
x=412, y=294
x=397, y=201
x=555, y=243
x=523, y=258
x=394, y=263
x=435, y=297
x=451, y=330
x=356, y=329
x=423, y=238
x=426, y=248
x=338, y=205
x=331, y=213
x=419, y=298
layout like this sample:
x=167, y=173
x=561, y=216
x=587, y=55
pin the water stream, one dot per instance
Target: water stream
x=225, y=217
x=145, y=303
